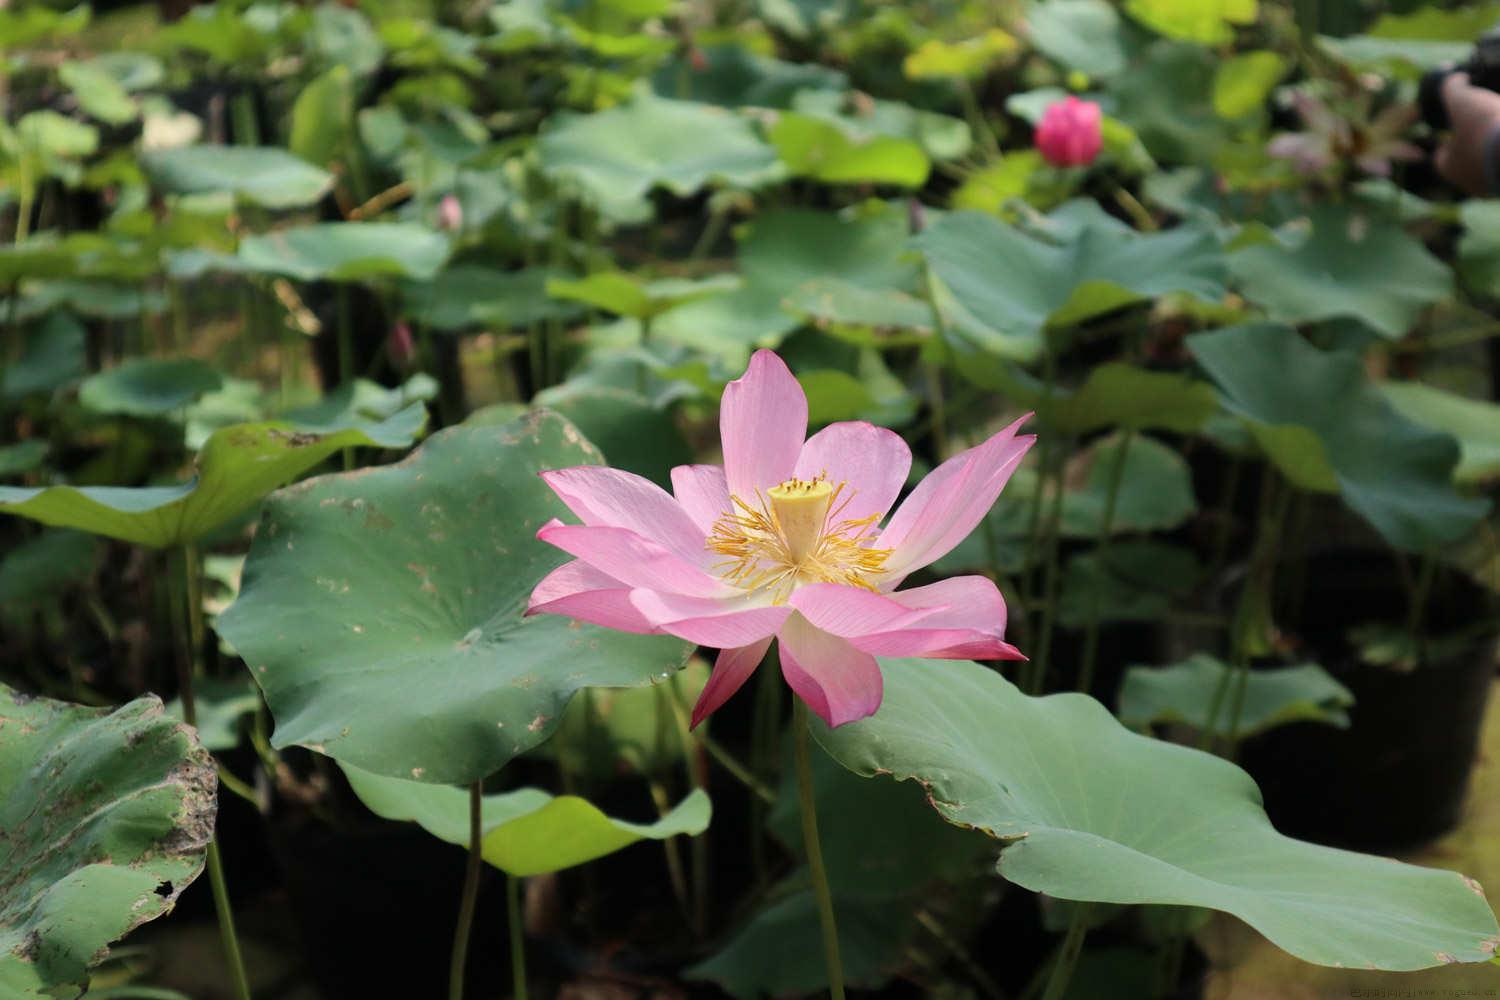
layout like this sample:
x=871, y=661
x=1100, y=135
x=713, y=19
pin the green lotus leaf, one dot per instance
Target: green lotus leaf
x=237, y=467
x=264, y=175
x=1006, y=288
x=148, y=387
x=1321, y=420
x=1353, y=265
x=129, y=811
x=527, y=831
x=1185, y=692
x=382, y=611
x=1087, y=810
x=1475, y=423
x=347, y=251
x=621, y=154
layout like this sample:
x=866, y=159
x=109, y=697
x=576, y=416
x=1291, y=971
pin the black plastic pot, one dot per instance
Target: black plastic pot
x=1398, y=775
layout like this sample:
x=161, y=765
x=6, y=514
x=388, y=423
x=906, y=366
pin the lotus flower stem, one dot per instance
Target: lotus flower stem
x=517, y=937
x=1106, y=529
x=1038, y=678
x=1419, y=597
x=814, y=849
x=191, y=625
x=1067, y=955
x=470, y=893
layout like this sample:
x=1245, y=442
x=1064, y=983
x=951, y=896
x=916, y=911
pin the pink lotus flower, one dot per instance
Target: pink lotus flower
x=1371, y=143
x=783, y=541
x=1069, y=133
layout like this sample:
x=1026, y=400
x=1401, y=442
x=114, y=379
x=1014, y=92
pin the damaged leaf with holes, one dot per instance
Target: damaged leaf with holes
x=105, y=817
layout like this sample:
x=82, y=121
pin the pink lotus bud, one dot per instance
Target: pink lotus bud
x=1069, y=134
x=450, y=213
x=400, y=345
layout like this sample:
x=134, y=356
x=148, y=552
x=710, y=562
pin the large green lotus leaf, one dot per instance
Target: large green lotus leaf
x=782, y=253
x=347, y=251
x=265, y=175
x=1184, y=693
x=382, y=611
x=1008, y=287
x=467, y=295
x=1089, y=810
x=527, y=831
x=148, y=387
x=104, y=820
x=1474, y=422
x=1395, y=473
x=236, y=468
x=1083, y=35
x=1352, y=265
x=621, y=154
x=821, y=150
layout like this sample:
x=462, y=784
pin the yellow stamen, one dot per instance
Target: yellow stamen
x=793, y=535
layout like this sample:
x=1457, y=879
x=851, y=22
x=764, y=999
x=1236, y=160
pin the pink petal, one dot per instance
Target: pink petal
x=613, y=498
x=964, y=620
x=762, y=421
x=631, y=559
x=724, y=624
x=703, y=492
x=838, y=682
x=849, y=611
x=731, y=670
x=873, y=460
x=577, y=590
x=951, y=501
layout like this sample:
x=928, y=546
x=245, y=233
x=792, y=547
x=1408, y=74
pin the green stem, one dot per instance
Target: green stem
x=517, y=937
x=232, y=954
x=975, y=114
x=814, y=849
x=187, y=667
x=1067, y=955
x=1415, y=617
x=934, y=369
x=470, y=894
x=1038, y=679
x=1106, y=529
x=23, y=208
